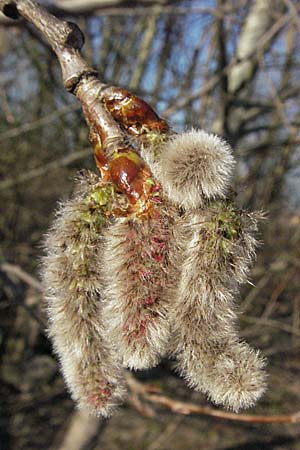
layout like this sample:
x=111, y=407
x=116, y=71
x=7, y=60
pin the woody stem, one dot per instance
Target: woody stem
x=66, y=40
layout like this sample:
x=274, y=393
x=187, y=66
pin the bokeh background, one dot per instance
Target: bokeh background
x=228, y=66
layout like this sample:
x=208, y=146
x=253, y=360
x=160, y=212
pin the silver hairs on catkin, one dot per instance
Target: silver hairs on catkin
x=138, y=275
x=217, y=246
x=127, y=286
x=192, y=167
x=73, y=282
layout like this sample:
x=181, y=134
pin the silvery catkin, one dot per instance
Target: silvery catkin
x=73, y=282
x=192, y=167
x=217, y=246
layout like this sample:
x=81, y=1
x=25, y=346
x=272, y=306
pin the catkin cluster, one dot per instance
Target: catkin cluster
x=125, y=290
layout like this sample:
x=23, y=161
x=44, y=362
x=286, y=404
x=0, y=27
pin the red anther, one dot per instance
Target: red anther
x=156, y=199
x=156, y=281
x=145, y=274
x=93, y=400
x=105, y=392
x=97, y=398
x=158, y=244
x=157, y=257
x=155, y=188
x=148, y=301
x=142, y=326
x=158, y=241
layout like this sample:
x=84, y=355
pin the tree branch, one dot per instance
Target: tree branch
x=190, y=408
x=152, y=394
x=22, y=275
x=45, y=169
x=66, y=40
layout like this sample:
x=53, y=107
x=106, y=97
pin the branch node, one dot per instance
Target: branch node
x=71, y=83
x=10, y=10
x=75, y=38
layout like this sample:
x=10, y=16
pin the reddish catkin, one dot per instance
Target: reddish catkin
x=138, y=276
x=73, y=282
x=217, y=246
x=136, y=255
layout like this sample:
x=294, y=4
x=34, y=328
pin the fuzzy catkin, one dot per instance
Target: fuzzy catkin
x=192, y=167
x=217, y=248
x=138, y=276
x=73, y=282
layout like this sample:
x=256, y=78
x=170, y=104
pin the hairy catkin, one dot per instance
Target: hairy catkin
x=217, y=246
x=192, y=167
x=138, y=276
x=73, y=282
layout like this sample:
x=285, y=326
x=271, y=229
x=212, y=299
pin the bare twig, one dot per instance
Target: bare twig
x=25, y=128
x=22, y=275
x=140, y=388
x=293, y=12
x=213, y=81
x=144, y=409
x=81, y=430
x=296, y=316
x=16, y=272
x=128, y=11
x=269, y=323
x=179, y=407
x=145, y=47
x=190, y=408
x=46, y=168
x=275, y=294
x=163, y=437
